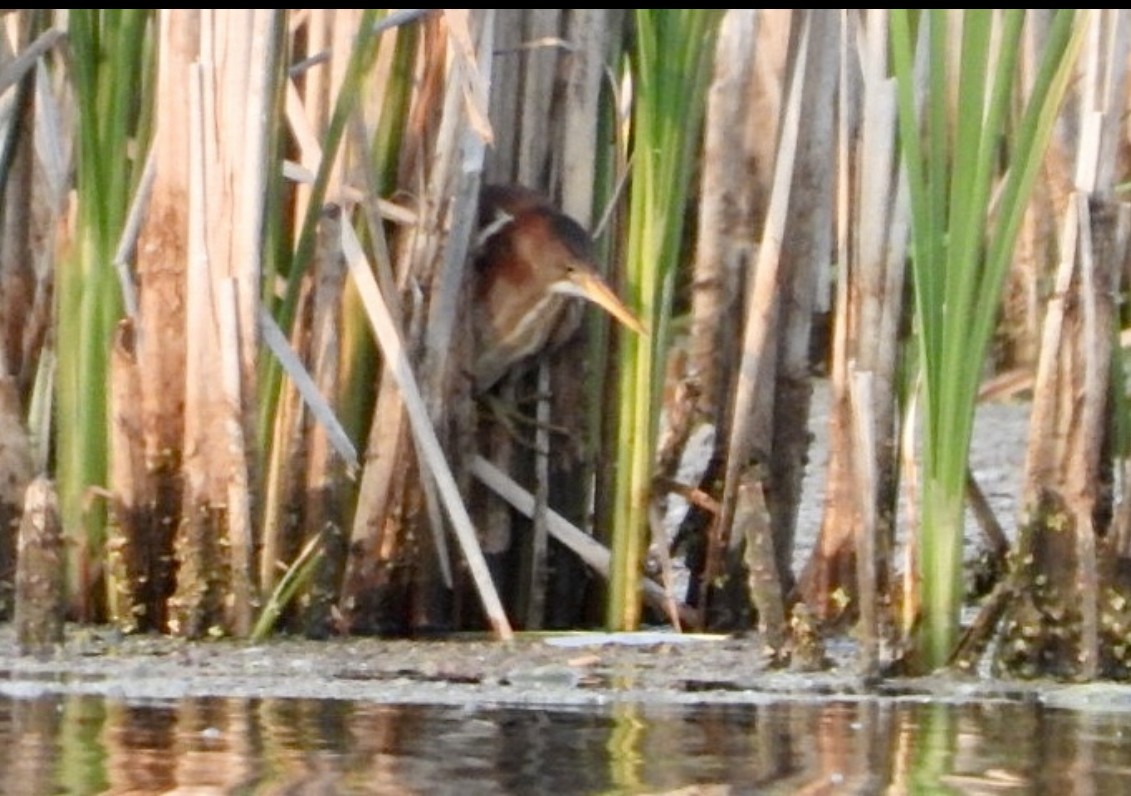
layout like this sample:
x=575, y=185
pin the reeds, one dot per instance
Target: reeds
x=671, y=67
x=965, y=217
x=110, y=62
x=319, y=182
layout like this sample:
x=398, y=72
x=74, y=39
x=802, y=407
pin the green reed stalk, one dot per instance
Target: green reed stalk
x=962, y=244
x=109, y=64
x=671, y=67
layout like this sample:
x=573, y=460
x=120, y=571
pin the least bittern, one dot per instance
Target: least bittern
x=530, y=260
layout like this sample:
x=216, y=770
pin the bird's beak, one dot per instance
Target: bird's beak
x=589, y=286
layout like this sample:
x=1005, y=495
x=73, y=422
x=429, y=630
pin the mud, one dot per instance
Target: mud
x=568, y=670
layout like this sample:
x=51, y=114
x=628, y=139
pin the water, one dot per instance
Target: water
x=84, y=744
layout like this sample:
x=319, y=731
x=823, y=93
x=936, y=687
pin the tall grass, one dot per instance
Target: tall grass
x=965, y=217
x=671, y=67
x=110, y=62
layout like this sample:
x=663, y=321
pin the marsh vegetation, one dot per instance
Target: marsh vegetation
x=236, y=301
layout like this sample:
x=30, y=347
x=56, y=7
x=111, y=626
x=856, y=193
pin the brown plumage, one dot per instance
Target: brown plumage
x=530, y=260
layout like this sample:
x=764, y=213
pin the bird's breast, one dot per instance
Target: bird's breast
x=512, y=329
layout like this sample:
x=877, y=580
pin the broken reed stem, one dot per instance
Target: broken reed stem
x=131, y=539
x=764, y=297
x=190, y=605
x=40, y=578
x=239, y=531
x=863, y=432
x=1094, y=389
x=752, y=521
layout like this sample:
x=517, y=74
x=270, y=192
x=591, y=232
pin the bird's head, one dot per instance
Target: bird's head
x=529, y=246
x=528, y=255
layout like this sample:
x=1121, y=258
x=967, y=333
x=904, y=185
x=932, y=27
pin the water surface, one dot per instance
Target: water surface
x=80, y=744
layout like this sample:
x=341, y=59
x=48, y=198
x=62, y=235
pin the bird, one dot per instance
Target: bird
x=530, y=260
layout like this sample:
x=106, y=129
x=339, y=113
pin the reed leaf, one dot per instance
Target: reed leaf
x=962, y=246
x=296, y=576
x=671, y=68
x=109, y=62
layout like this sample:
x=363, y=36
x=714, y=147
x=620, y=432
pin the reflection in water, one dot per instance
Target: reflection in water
x=86, y=744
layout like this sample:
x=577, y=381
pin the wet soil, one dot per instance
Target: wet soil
x=564, y=669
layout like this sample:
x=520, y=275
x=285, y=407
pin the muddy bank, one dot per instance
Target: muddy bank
x=575, y=669
x=566, y=671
